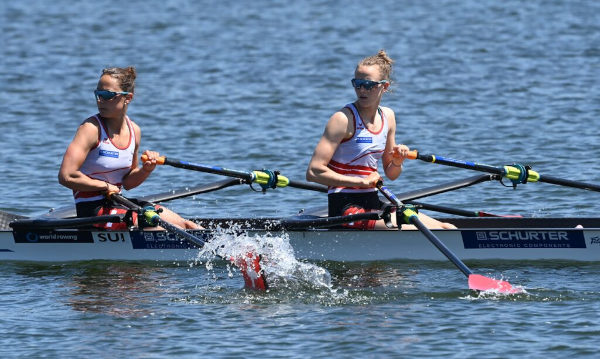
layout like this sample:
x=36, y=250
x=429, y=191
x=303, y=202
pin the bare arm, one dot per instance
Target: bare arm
x=338, y=128
x=394, y=155
x=69, y=174
x=138, y=175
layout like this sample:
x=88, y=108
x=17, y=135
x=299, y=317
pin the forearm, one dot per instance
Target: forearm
x=136, y=177
x=78, y=181
x=329, y=177
x=394, y=169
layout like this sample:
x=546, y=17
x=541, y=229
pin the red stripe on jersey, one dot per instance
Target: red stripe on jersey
x=346, y=167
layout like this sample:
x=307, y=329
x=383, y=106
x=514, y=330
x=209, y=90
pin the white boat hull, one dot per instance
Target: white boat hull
x=315, y=245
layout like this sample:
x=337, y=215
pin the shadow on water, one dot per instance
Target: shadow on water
x=115, y=289
x=142, y=289
x=122, y=289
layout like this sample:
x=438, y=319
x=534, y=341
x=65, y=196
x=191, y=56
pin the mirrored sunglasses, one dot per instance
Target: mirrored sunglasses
x=107, y=95
x=366, y=84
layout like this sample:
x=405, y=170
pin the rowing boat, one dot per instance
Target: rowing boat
x=502, y=238
x=57, y=237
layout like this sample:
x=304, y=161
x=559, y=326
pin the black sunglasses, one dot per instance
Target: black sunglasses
x=366, y=84
x=107, y=95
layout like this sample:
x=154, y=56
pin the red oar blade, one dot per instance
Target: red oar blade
x=479, y=282
x=249, y=266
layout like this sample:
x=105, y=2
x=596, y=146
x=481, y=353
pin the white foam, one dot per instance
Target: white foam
x=280, y=266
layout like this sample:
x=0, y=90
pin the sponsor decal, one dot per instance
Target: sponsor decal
x=481, y=239
x=595, y=240
x=53, y=237
x=162, y=240
x=364, y=139
x=106, y=153
x=111, y=237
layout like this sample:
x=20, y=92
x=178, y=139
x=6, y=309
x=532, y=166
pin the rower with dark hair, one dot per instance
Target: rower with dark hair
x=103, y=156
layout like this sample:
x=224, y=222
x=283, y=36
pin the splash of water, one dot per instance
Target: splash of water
x=281, y=267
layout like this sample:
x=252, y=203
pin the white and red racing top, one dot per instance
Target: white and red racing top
x=359, y=155
x=107, y=162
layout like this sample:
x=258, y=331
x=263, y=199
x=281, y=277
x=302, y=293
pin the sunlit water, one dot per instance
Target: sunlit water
x=250, y=86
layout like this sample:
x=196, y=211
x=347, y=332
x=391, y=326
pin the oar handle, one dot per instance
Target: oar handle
x=159, y=161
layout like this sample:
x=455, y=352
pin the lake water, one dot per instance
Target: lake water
x=250, y=85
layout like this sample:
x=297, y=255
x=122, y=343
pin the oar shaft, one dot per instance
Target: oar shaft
x=308, y=186
x=323, y=222
x=187, y=192
x=414, y=219
x=166, y=225
x=208, y=169
x=443, y=209
x=476, y=281
x=569, y=183
x=249, y=264
x=445, y=187
x=456, y=163
x=260, y=177
x=511, y=172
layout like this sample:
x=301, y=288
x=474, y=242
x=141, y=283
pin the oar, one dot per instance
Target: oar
x=310, y=222
x=516, y=173
x=42, y=223
x=446, y=187
x=69, y=211
x=475, y=281
x=186, y=192
x=457, y=211
x=253, y=275
x=264, y=178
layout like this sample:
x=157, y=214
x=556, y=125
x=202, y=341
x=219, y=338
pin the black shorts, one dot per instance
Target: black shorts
x=338, y=202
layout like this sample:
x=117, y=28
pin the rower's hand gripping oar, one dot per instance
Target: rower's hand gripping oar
x=478, y=282
x=265, y=178
x=249, y=265
x=516, y=173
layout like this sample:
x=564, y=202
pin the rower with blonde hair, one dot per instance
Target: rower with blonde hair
x=355, y=139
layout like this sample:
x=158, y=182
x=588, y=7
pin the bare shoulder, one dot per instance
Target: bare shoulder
x=136, y=128
x=390, y=116
x=88, y=134
x=89, y=126
x=340, y=125
x=388, y=112
x=342, y=114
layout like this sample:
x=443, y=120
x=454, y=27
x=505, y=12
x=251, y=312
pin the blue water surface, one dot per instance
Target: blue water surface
x=250, y=85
